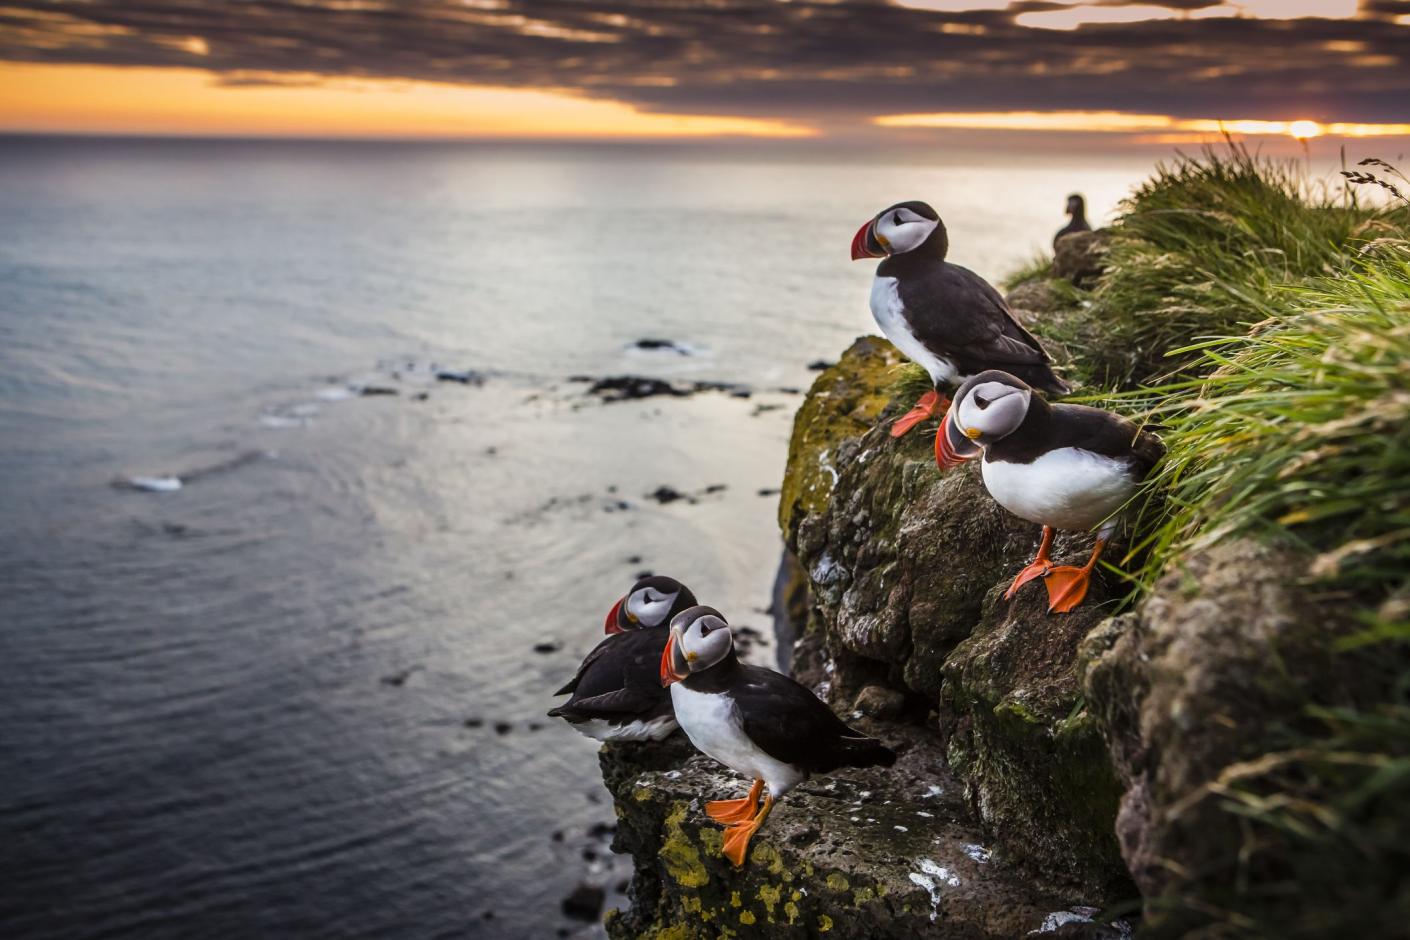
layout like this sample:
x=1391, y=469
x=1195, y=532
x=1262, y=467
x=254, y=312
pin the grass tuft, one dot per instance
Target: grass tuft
x=1205, y=249
x=1039, y=266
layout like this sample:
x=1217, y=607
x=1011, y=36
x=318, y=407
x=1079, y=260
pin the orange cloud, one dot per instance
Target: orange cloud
x=1121, y=122
x=100, y=99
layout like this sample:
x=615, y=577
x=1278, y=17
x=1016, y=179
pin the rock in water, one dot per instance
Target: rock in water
x=654, y=343
x=460, y=376
x=585, y=903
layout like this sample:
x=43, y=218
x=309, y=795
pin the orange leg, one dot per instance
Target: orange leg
x=736, y=811
x=737, y=836
x=927, y=405
x=1067, y=585
x=1038, y=568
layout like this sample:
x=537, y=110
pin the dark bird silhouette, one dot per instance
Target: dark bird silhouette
x=1077, y=209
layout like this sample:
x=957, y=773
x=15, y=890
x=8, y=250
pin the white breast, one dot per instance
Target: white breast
x=712, y=723
x=1068, y=488
x=889, y=312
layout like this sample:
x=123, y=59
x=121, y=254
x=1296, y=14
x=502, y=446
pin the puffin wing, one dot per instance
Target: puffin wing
x=986, y=329
x=618, y=702
x=584, y=666
x=792, y=725
x=621, y=661
x=971, y=322
x=1110, y=435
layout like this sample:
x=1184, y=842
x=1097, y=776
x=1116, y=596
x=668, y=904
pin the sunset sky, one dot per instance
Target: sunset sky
x=1136, y=71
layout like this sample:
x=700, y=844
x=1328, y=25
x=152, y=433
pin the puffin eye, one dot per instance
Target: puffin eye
x=981, y=401
x=897, y=220
x=704, y=629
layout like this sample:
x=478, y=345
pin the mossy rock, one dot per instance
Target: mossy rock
x=876, y=853
x=1201, y=691
x=843, y=402
x=1033, y=760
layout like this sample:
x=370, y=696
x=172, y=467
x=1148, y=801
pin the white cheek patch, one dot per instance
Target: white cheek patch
x=971, y=416
x=907, y=236
x=653, y=612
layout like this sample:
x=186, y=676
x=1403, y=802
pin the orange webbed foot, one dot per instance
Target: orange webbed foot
x=1040, y=567
x=1067, y=586
x=731, y=812
x=736, y=844
x=1037, y=569
x=925, y=407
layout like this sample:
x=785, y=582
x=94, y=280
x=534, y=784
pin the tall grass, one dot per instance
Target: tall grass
x=1298, y=430
x=1274, y=319
x=1201, y=249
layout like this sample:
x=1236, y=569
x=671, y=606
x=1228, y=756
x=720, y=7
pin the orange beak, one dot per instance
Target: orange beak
x=952, y=449
x=668, y=662
x=611, y=626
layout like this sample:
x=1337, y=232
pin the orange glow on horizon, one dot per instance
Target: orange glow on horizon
x=103, y=99
x=1121, y=122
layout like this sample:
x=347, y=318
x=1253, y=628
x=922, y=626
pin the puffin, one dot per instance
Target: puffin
x=943, y=317
x=1077, y=209
x=1062, y=466
x=616, y=694
x=755, y=721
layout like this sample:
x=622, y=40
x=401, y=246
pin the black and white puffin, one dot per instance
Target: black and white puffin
x=1077, y=210
x=617, y=693
x=754, y=721
x=1061, y=466
x=945, y=318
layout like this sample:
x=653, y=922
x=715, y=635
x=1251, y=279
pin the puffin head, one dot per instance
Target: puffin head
x=699, y=639
x=651, y=602
x=1076, y=205
x=900, y=229
x=989, y=407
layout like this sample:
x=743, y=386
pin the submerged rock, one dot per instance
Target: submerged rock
x=655, y=343
x=461, y=376
x=585, y=903
x=617, y=388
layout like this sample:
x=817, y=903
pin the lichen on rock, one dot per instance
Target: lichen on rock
x=863, y=853
x=844, y=401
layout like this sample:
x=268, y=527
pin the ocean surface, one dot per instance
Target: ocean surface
x=299, y=694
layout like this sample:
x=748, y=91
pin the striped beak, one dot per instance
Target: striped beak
x=953, y=446
x=673, y=665
x=865, y=244
x=612, y=626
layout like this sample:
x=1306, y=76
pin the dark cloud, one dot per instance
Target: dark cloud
x=828, y=62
